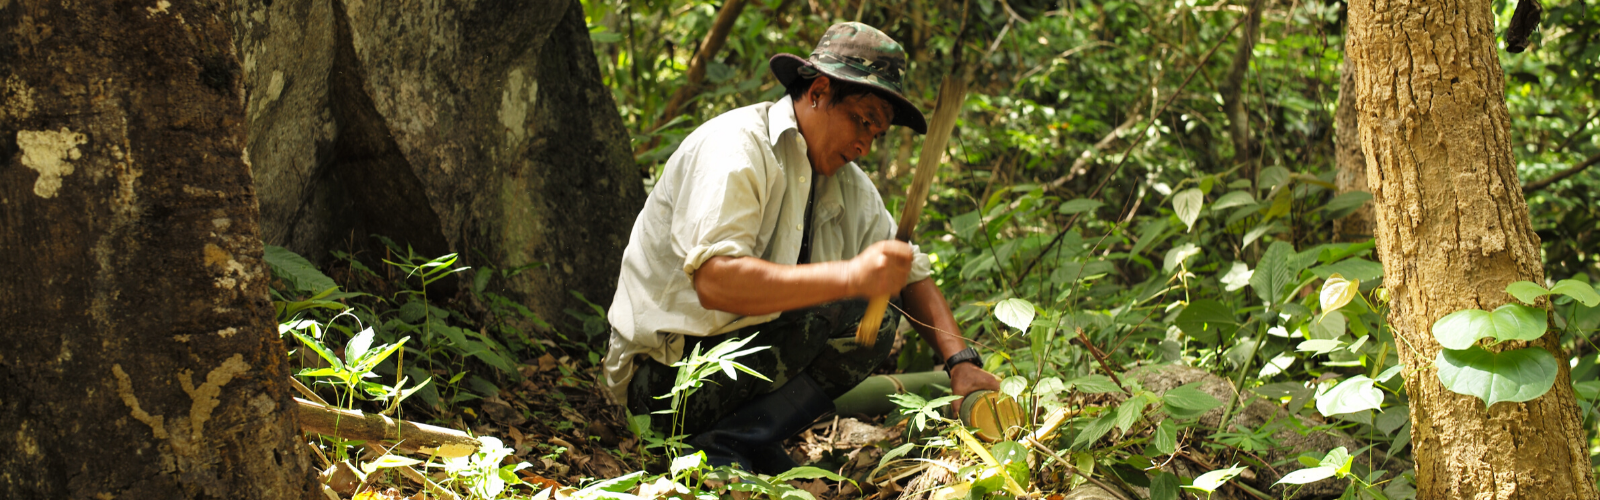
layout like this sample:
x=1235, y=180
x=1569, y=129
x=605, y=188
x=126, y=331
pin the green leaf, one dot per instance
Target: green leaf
x=1233, y=199
x=1164, y=487
x=1516, y=375
x=1210, y=481
x=807, y=472
x=1346, y=203
x=1187, y=204
x=1190, y=398
x=1319, y=346
x=358, y=346
x=1526, y=291
x=1237, y=277
x=1129, y=411
x=1352, y=395
x=1079, y=205
x=1578, y=290
x=1016, y=313
x=1013, y=386
x=321, y=350
x=1177, y=255
x=1094, y=431
x=1274, y=273
x=1205, y=319
x=1094, y=384
x=296, y=270
x=1166, y=438
x=1304, y=476
x=1461, y=329
x=1337, y=291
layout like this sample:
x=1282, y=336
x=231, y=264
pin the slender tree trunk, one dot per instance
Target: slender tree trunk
x=1453, y=230
x=1352, y=164
x=1233, y=93
x=140, y=357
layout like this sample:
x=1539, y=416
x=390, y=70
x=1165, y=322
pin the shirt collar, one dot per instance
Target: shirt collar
x=780, y=119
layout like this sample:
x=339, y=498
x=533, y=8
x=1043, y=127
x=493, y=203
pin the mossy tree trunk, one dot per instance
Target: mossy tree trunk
x=139, y=357
x=1453, y=230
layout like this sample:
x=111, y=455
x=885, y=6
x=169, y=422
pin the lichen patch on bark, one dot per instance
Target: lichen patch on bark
x=48, y=152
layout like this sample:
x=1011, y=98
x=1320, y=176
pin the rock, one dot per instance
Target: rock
x=1258, y=412
x=480, y=128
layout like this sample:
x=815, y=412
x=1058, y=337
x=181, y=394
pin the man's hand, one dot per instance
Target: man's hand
x=881, y=269
x=967, y=377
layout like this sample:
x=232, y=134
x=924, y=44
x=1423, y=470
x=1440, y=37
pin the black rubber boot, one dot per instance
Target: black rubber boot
x=752, y=436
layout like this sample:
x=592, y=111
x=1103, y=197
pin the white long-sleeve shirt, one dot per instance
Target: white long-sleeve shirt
x=737, y=186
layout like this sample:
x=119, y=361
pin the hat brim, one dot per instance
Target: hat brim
x=787, y=68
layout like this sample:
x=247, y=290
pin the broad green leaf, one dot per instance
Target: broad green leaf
x=1331, y=326
x=1461, y=329
x=1164, y=487
x=1049, y=386
x=1389, y=373
x=1166, y=438
x=1210, y=481
x=1016, y=313
x=1257, y=233
x=1338, y=458
x=1095, y=430
x=296, y=270
x=1526, y=291
x=1233, y=199
x=1190, y=398
x=1177, y=255
x=807, y=472
x=1336, y=292
x=1094, y=384
x=1281, y=204
x=1237, y=277
x=1205, y=319
x=1516, y=375
x=1276, y=365
x=357, y=348
x=1187, y=204
x=1354, y=268
x=1079, y=205
x=321, y=350
x=1578, y=290
x=1346, y=203
x=1304, y=476
x=1352, y=395
x=1129, y=411
x=1319, y=346
x=1013, y=386
x=1272, y=177
x=1274, y=272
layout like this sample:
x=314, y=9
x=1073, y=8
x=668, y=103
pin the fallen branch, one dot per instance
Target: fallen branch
x=406, y=436
x=1574, y=170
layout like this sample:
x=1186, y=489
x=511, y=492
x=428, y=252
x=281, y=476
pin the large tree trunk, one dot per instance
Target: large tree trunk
x=1351, y=163
x=1453, y=231
x=474, y=127
x=140, y=357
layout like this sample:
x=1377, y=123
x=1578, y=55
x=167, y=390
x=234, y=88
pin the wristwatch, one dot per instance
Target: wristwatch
x=968, y=355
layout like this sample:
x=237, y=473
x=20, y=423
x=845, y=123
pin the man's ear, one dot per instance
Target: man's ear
x=820, y=89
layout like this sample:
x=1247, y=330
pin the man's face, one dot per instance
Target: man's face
x=844, y=129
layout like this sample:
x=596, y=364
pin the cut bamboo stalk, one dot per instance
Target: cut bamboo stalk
x=406, y=436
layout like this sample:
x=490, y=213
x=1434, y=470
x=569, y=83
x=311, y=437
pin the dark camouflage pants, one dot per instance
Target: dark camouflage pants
x=819, y=341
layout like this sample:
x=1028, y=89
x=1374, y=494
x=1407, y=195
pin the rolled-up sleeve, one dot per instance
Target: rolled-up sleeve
x=721, y=205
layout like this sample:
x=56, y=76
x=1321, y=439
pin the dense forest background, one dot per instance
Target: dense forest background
x=1215, y=249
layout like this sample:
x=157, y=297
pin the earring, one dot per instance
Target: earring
x=813, y=104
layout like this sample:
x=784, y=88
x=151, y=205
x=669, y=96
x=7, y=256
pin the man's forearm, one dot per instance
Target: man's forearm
x=932, y=318
x=752, y=287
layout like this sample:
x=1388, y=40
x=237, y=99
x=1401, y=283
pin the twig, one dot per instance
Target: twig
x=1101, y=357
x=408, y=436
x=1574, y=170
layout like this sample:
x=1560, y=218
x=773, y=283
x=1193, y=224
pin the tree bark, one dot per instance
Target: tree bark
x=1233, y=93
x=1351, y=163
x=1453, y=230
x=477, y=128
x=141, y=358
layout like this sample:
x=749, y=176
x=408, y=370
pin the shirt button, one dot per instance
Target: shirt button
x=802, y=180
x=799, y=227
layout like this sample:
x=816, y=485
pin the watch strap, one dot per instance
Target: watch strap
x=968, y=355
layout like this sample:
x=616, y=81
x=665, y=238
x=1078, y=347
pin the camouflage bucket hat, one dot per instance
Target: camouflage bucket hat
x=861, y=54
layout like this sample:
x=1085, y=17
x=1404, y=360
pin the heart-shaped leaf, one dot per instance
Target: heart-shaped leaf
x=1304, y=476
x=1177, y=255
x=1516, y=375
x=1578, y=290
x=1526, y=291
x=1237, y=277
x=1187, y=204
x=1210, y=481
x=1460, y=329
x=1319, y=346
x=1337, y=291
x=1354, y=394
x=1205, y=319
x=1016, y=313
